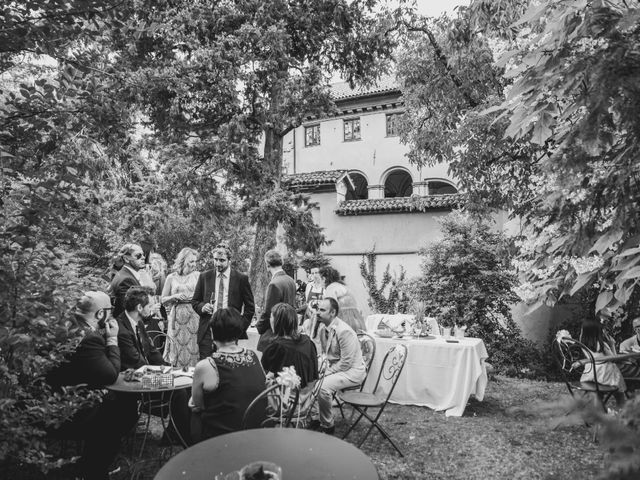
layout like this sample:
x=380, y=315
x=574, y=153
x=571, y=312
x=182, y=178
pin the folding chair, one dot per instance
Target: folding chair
x=368, y=348
x=308, y=398
x=392, y=366
x=574, y=358
x=268, y=410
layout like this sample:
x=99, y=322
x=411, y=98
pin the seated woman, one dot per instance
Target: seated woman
x=225, y=383
x=290, y=348
x=600, y=344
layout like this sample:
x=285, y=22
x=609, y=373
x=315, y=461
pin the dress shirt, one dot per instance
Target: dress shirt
x=225, y=280
x=134, y=324
x=341, y=347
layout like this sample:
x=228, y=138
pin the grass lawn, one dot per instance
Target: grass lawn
x=502, y=437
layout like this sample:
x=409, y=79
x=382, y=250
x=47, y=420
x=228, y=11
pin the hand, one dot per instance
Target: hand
x=184, y=297
x=208, y=308
x=111, y=328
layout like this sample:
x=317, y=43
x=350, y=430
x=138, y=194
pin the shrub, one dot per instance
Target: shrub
x=466, y=281
x=394, y=300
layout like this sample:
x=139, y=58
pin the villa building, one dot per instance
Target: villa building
x=369, y=195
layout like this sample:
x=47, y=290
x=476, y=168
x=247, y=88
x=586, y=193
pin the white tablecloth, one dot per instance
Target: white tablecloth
x=437, y=374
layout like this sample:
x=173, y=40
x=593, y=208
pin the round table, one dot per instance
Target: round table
x=180, y=381
x=302, y=455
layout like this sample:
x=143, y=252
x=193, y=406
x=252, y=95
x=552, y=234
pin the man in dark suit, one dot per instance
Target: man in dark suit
x=282, y=288
x=96, y=362
x=219, y=288
x=132, y=258
x=137, y=350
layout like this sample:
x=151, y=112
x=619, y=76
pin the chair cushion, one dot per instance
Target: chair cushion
x=591, y=387
x=362, y=399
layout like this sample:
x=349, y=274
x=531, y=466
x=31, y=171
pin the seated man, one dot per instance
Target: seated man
x=96, y=362
x=137, y=350
x=345, y=363
x=630, y=368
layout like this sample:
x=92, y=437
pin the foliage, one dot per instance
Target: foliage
x=465, y=281
x=314, y=261
x=547, y=131
x=395, y=301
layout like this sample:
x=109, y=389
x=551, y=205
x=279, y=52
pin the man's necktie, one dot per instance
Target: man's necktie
x=140, y=345
x=220, y=292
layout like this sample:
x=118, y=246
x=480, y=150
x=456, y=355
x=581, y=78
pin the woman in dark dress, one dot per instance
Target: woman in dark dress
x=289, y=347
x=225, y=383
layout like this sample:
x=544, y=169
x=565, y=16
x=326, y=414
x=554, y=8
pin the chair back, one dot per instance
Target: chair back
x=158, y=340
x=392, y=366
x=308, y=398
x=368, y=347
x=269, y=409
x=574, y=358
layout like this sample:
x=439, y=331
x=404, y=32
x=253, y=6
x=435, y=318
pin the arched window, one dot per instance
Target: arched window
x=357, y=187
x=398, y=184
x=441, y=188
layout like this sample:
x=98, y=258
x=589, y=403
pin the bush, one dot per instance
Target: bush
x=465, y=281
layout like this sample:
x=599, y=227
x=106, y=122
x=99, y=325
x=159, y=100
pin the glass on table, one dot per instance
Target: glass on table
x=261, y=470
x=445, y=332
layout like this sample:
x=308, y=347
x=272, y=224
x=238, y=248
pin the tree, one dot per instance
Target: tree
x=555, y=142
x=466, y=279
x=230, y=79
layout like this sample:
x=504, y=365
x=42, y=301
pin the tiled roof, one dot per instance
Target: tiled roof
x=414, y=203
x=313, y=178
x=342, y=90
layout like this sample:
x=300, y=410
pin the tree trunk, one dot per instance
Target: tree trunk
x=265, y=238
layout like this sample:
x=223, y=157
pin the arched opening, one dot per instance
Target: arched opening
x=441, y=188
x=356, y=187
x=398, y=184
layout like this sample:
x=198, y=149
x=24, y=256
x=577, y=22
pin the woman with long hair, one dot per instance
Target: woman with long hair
x=183, y=321
x=335, y=288
x=593, y=337
x=289, y=347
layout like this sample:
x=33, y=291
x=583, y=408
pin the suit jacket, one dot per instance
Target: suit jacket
x=122, y=281
x=282, y=288
x=240, y=298
x=92, y=362
x=135, y=350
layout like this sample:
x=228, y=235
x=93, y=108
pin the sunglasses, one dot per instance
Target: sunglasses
x=103, y=313
x=137, y=256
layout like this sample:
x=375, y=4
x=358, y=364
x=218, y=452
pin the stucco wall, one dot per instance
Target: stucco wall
x=373, y=155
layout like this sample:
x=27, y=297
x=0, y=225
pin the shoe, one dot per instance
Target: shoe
x=328, y=430
x=314, y=425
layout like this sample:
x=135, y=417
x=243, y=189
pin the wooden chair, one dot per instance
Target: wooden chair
x=568, y=354
x=392, y=366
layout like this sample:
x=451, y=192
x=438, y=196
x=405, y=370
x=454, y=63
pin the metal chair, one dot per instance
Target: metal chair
x=268, y=409
x=368, y=348
x=308, y=398
x=392, y=366
x=574, y=358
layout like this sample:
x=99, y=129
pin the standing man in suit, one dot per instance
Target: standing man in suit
x=132, y=258
x=282, y=288
x=222, y=287
x=96, y=362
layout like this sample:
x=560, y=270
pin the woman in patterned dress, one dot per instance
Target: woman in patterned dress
x=182, y=328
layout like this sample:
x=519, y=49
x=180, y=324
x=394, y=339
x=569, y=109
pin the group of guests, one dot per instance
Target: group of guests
x=207, y=314
x=599, y=343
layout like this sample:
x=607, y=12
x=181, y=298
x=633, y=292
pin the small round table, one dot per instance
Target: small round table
x=180, y=381
x=302, y=455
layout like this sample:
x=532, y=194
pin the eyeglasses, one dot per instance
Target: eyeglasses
x=103, y=313
x=137, y=256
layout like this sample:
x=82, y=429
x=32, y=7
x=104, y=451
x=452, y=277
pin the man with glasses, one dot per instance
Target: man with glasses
x=221, y=287
x=132, y=258
x=96, y=363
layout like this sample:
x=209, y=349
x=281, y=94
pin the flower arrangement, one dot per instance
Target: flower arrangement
x=421, y=325
x=562, y=334
x=288, y=380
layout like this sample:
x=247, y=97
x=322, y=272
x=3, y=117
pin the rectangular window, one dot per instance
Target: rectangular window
x=392, y=124
x=352, y=129
x=312, y=135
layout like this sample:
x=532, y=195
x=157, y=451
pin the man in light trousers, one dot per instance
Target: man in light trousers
x=345, y=366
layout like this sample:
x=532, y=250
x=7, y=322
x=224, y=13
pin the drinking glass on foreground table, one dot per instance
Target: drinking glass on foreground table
x=260, y=470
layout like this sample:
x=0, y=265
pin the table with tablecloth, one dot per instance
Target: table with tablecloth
x=437, y=374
